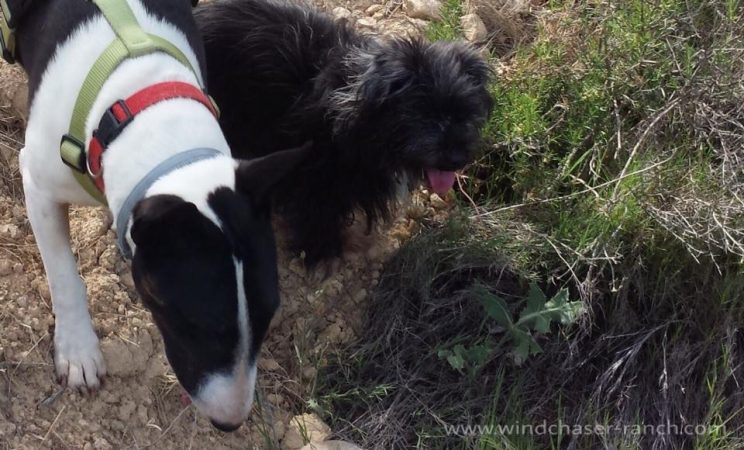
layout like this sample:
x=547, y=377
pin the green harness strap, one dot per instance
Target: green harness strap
x=132, y=41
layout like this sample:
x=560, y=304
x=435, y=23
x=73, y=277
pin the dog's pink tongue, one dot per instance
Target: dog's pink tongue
x=440, y=180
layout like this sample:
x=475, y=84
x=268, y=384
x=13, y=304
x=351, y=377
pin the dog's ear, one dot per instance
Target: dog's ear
x=392, y=70
x=156, y=218
x=256, y=178
x=472, y=64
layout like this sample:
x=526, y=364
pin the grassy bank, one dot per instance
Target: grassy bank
x=598, y=280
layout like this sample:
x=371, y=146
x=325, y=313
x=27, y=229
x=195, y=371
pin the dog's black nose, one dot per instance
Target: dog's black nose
x=224, y=427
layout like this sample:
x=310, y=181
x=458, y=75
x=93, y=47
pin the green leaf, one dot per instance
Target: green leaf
x=524, y=346
x=562, y=310
x=535, y=304
x=455, y=359
x=478, y=354
x=495, y=307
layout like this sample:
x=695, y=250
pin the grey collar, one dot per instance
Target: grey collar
x=174, y=162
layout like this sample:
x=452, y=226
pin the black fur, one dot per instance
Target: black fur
x=378, y=112
x=187, y=281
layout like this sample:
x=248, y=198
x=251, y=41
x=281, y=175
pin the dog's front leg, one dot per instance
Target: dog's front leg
x=77, y=355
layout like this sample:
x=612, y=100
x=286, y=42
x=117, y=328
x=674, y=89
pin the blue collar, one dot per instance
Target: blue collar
x=174, y=162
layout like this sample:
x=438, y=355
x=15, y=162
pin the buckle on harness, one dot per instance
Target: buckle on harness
x=72, y=152
x=113, y=122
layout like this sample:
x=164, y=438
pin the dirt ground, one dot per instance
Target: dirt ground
x=139, y=406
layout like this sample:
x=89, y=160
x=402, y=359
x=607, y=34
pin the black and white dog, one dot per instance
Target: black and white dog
x=380, y=112
x=204, y=258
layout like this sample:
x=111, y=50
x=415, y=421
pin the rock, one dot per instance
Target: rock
x=423, y=9
x=473, y=28
x=13, y=89
x=340, y=12
x=366, y=22
x=309, y=373
x=437, y=201
x=126, y=409
x=124, y=359
x=361, y=294
x=303, y=429
x=268, y=364
x=127, y=280
x=10, y=231
x=279, y=429
x=331, y=445
x=101, y=444
x=5, y=267
x=372, y=10
x=419, y=24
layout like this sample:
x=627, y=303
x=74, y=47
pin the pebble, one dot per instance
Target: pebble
x=309, y=373
x=423, y=9
x=367, y=22
x=5, y=267
x=374, y=9
x=268, y=364
x=360, y=295
x=340, y=12
x=308, y=426
x=473, y=28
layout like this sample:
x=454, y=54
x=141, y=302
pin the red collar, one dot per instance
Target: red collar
x=121, y=113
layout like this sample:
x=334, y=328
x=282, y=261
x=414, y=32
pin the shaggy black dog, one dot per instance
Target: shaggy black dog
x=379, y=112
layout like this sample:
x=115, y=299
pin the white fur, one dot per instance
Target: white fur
x=157, y=133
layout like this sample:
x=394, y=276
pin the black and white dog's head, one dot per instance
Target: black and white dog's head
x=211, y=283
x=424, y=102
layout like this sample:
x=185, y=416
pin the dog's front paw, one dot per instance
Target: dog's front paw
x=78, y=358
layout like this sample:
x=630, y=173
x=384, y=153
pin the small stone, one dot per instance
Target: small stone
x=473, y=28
x=127, y=280
x=419, y=24
x=303, y=429
x=423, y=9
x=17, y=267
x=372, y=10
x=10, y=231
x=101, y=444
x=279, y=429
x=309, y=373
x=268, y=364
x=437, y=201
x=360, y=295
x=43, y=289
x=340, y=12
x=367, y=22
x=126, y=409
x=274, y=399
x=5, y=267
x=87, y=446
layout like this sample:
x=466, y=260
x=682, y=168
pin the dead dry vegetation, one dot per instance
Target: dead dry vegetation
x=613, y=169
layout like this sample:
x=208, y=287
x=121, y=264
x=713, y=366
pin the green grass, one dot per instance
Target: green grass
x=448, y=28
x=612, y=168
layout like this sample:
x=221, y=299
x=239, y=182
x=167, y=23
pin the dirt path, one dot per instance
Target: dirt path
x=139, y=406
